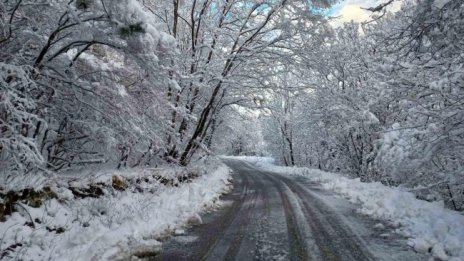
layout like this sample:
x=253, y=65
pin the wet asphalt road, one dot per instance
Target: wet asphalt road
x=275, y=217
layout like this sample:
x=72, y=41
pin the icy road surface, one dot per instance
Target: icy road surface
x=274, y=217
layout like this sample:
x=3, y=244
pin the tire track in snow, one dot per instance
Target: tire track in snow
x=228, y=244
x=334, y=239
x=214, y=229
x=301, y=245
x=271, y=217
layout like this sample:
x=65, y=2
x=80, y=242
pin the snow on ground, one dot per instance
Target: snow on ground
x=114, y=226
x=429, y=226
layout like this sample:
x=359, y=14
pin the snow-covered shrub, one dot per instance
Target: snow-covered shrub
x=19, y=120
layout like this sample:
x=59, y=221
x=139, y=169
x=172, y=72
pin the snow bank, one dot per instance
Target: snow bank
x=113, y=226
x=429, y=226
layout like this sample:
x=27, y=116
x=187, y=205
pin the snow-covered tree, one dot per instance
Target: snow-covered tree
x=385, y=105
x=81, y=84
x=222, y=46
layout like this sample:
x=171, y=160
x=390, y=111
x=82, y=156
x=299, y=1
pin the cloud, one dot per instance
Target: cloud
x=353, y=13
x=350, y=10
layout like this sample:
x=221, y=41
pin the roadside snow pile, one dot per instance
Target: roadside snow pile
x=120, y=221
x=429, y=226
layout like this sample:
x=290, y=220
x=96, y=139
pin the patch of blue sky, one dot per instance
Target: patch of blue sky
x=214, y=7
x=329, y=11
x=334, y=10
x=321, y=11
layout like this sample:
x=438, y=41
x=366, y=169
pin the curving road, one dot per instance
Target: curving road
x=274, y=217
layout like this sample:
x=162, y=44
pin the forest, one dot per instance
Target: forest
x=139, y=83
x=90, y=85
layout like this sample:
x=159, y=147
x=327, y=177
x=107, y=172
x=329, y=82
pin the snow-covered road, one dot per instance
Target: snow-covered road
x=269, y=216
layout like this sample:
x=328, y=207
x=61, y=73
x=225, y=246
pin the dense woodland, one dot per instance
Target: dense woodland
x=386, y=104
x=123, y=84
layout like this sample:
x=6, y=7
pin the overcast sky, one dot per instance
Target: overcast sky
x=350, y=10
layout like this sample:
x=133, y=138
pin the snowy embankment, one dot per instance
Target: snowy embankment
x=429, y=226
x=123, y=218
